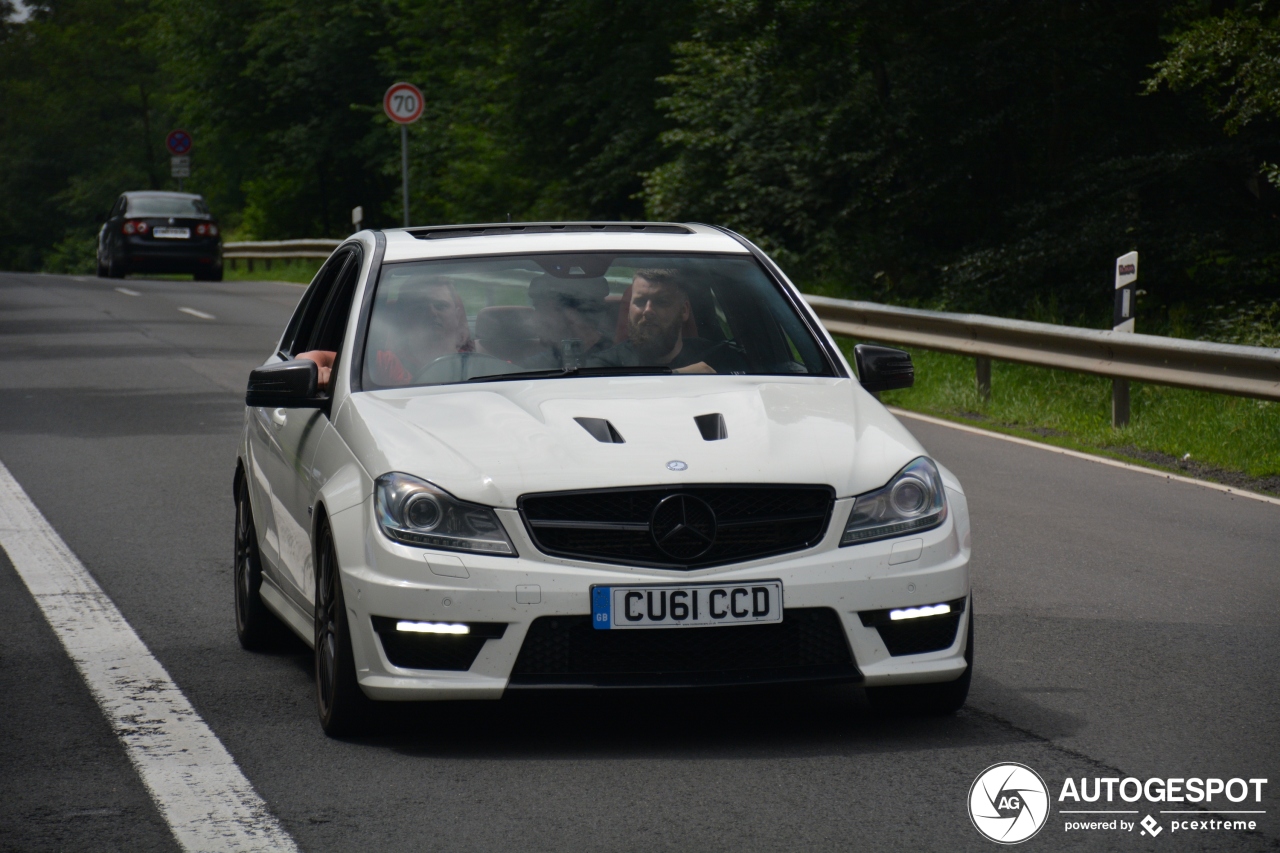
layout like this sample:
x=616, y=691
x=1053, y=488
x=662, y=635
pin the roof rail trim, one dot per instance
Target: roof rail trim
x=497, y=229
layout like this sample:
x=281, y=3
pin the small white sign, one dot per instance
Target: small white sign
x=357, y=215
x=180, y=167
x=1126, y=269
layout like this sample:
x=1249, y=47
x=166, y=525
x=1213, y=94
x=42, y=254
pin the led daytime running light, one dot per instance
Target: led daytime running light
x=915, y=612
x=438, y=627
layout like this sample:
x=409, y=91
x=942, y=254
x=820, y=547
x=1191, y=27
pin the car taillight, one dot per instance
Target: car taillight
x=208, y=229
x=142, y=228
x=134, y=226
x=213, y=229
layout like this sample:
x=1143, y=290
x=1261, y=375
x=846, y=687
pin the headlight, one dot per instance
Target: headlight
x=912, y=501
x=415, y=512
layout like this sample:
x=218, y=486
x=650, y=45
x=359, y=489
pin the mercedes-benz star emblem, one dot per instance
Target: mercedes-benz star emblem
x=677, y=465
x=683, y=527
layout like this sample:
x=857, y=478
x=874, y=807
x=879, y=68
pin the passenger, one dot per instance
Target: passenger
x=427, y=322
x=565, y=310
x=659, y=309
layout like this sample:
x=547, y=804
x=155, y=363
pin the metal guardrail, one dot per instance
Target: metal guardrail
x=1199, y=365
x=280, y=249
x=277, y=250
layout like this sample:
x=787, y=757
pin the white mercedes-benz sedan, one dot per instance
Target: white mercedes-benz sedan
x=589, y=455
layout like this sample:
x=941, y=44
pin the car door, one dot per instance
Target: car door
x=276, y=438
x=299, y=434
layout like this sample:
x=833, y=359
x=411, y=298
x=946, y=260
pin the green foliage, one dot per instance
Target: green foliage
x=1234, y=58
x=1231, y=433
x=296, y=271
x=74, y=254
x=280, y=97
x=1253, y=324
x=980, y=155
x=80, y=118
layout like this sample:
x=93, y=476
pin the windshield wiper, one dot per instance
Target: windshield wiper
x=618, y=370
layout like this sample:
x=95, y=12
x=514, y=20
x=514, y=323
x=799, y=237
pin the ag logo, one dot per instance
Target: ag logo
x=1008, y=803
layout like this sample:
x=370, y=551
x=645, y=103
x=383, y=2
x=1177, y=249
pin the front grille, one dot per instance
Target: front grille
x=808, y=644
x=916, y=636
x=618, y=525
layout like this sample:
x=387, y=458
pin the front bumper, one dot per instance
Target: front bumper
x=388, y=580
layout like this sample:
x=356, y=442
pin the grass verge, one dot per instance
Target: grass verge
x=1231, y=440
x=298, y=270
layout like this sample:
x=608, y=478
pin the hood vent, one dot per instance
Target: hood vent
x=601, y=430
x=712, y=427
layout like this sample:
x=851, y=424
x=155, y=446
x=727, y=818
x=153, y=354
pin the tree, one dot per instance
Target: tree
x=976, y=154
x=78, y=125
x=1234, y=58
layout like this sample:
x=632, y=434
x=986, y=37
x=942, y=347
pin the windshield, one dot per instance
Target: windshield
x=157, y=205
x=490, y=319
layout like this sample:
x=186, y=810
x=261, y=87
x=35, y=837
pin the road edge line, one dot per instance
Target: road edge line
x=195, y=783
x=1114, y=463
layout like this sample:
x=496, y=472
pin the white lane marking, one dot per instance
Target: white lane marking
x=202, y=794
x=194, y=313
x=127, y=292
x=1114, y=463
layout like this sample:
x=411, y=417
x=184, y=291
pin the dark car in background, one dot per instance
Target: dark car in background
x=160, y=232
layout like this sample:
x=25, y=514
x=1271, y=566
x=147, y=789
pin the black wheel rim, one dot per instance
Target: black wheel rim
x=243, y=567
x=326, y=626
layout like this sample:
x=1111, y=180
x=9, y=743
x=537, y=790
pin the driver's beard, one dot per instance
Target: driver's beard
x=651, y=341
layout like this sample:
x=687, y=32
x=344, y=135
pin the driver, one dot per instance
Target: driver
x=655, y=329
x=426, y=322
x=430, y=323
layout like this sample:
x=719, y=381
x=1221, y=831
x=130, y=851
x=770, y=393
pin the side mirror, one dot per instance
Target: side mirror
x=287, y=385
x=883, y=368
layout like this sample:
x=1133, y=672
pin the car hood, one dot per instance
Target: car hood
x=494, y=442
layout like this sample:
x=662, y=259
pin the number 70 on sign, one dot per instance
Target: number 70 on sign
x=403, y=103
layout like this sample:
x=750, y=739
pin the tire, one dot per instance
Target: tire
x=116, y=269
x=102, y=269
x=342, y=705
x=256, y=627
x=930, y=700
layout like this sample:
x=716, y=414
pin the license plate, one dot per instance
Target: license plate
x=686, y=605
x=172, y=233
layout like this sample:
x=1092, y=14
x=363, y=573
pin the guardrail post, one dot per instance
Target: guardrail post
x=1119, y=403
x=982, y=366
x=250, y=264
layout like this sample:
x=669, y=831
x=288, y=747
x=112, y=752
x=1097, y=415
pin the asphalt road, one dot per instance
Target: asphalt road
x=1126, y=626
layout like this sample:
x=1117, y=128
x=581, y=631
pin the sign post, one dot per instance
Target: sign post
x=357, y=216
x=179, y=144
x=1122, y=320
x=403, y=104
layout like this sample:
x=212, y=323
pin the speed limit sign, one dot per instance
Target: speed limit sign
x=403, y=103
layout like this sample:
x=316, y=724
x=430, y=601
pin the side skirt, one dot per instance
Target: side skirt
x=302, y=624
